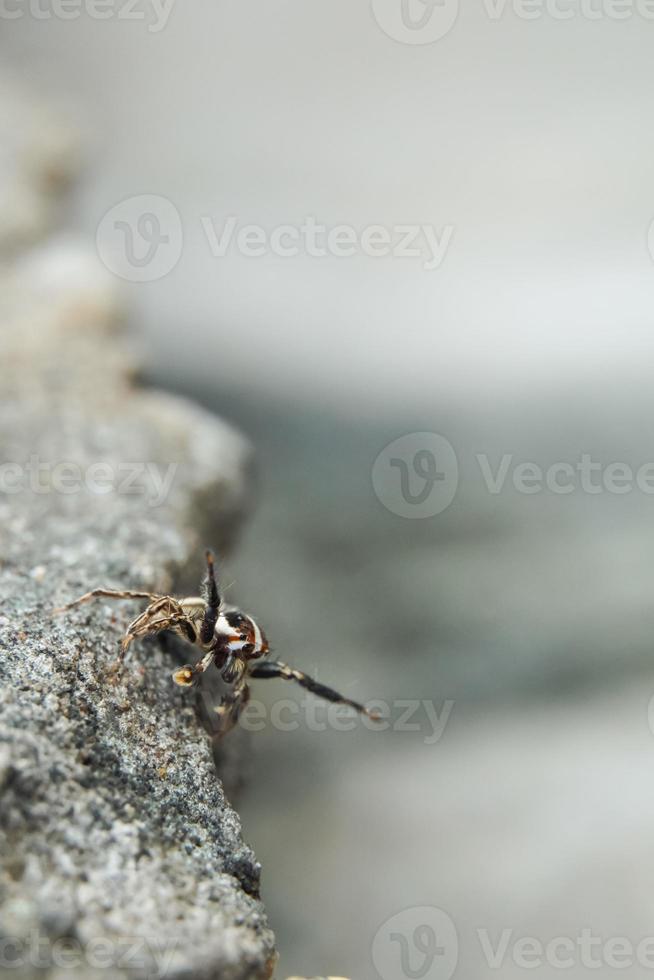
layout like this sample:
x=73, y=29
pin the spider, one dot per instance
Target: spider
x=227, y=638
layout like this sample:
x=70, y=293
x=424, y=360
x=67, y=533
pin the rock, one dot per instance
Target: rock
x=39, y=155
x=120, y=855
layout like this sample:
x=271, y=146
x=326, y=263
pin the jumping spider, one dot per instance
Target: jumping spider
x=227, y=638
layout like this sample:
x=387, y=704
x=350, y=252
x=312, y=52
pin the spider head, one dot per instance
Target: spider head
x=241, y=634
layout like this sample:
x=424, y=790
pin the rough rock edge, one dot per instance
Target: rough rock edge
x=113, y=824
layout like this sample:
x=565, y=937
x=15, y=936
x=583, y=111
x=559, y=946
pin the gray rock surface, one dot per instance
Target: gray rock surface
x=120, y=855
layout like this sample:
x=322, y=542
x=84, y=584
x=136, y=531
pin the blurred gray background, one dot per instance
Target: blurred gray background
x=531, y=614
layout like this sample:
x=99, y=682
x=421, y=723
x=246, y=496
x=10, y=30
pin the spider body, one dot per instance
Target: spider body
x=226, y=637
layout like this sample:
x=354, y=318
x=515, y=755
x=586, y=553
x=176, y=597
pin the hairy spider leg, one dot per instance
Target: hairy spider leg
x=213, y=603
x=274, y=668
x=162, y=613
x=231, y=705
x=189, y=674
x=232, y=667
x=108, y=594
x=165, y=613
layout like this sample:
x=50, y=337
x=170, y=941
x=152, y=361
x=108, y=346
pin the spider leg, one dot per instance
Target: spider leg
x=165, y=613
x=230, y=707
x=162, y=613
x=189, y=674
x=107, y=594
x=213, y=603
x=154, y=621
x=151, y=622
x=232, y=668
x=272, y=668
x=135, y=628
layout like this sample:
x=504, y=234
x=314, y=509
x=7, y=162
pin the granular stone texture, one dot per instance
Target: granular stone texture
x=120, y=856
